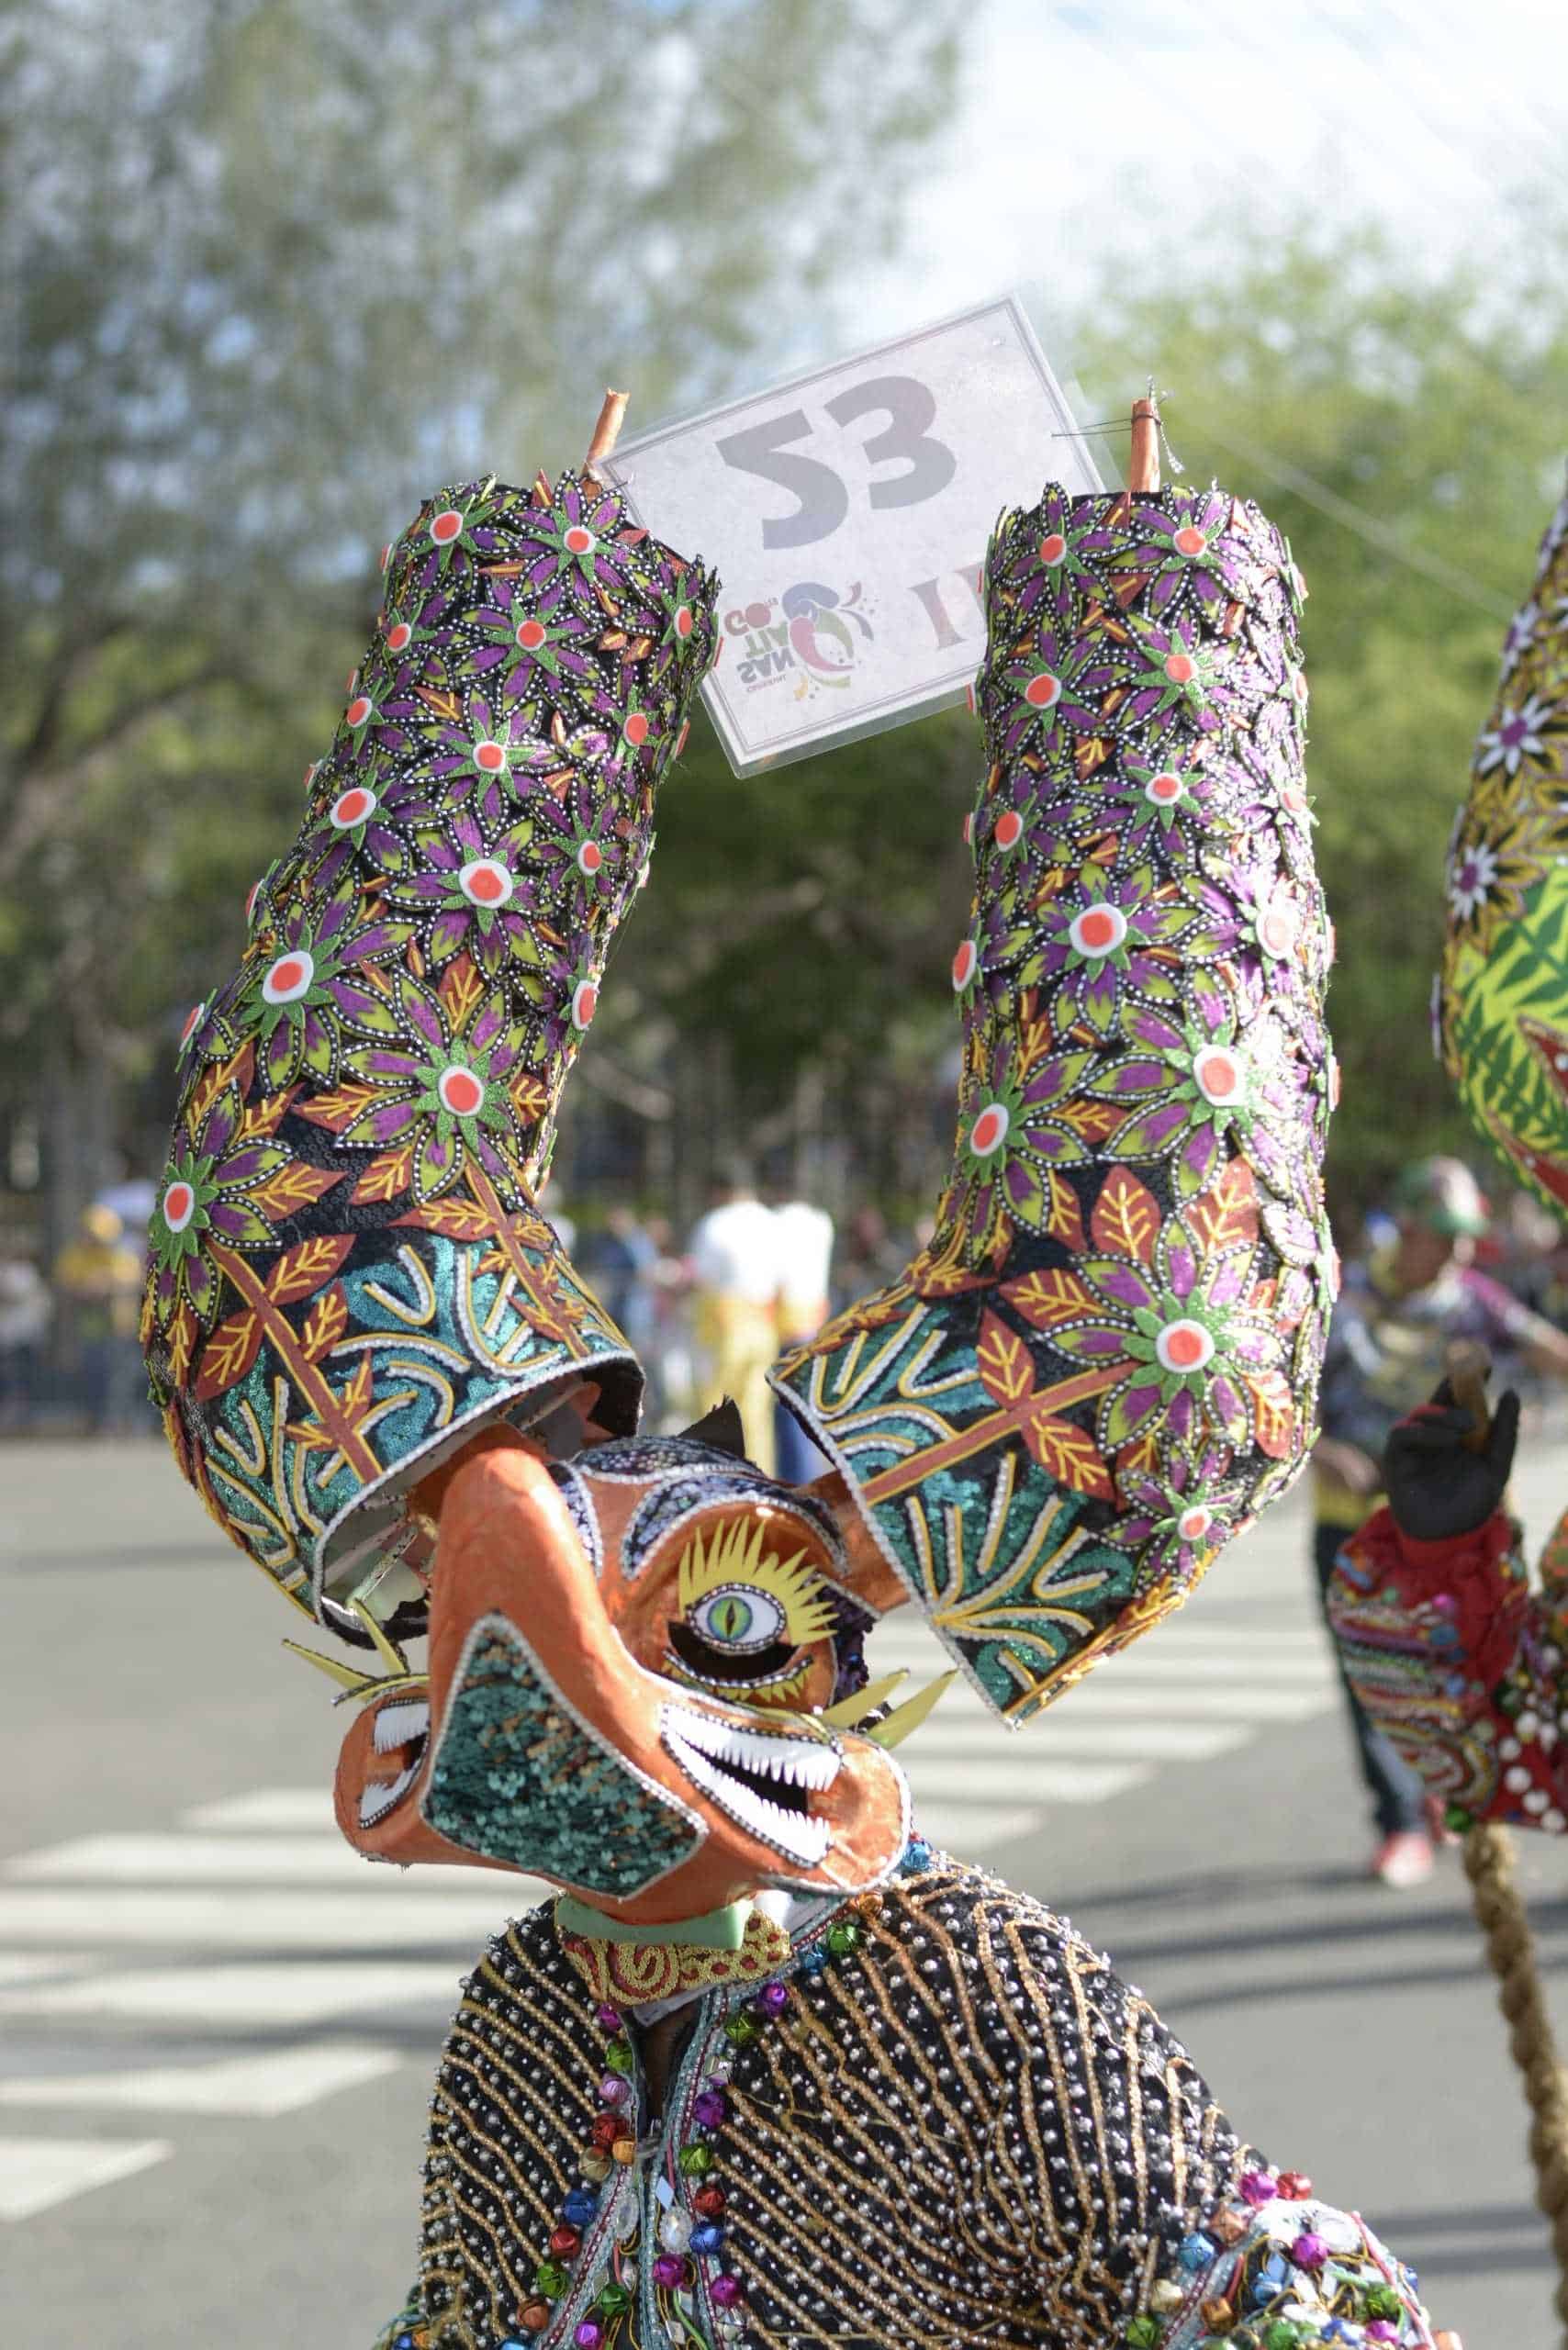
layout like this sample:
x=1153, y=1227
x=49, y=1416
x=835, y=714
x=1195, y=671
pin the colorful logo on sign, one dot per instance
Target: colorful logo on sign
x=807, y=637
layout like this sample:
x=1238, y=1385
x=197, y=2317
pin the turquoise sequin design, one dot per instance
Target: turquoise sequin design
x=517, y=1778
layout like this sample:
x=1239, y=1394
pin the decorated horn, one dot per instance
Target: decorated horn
x=1105, y=1361
x=349, y=1275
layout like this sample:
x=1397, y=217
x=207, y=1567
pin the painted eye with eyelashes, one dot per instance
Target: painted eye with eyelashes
x=744, y=1613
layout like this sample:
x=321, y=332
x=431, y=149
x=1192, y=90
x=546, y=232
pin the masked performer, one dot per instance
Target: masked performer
x=769, y=2071
x=1450, y=1650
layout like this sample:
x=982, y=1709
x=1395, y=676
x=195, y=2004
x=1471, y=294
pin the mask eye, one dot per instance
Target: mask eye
x=739, y=1616
x=744, y=1613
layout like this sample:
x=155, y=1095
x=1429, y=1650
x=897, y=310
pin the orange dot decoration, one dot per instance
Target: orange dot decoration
x=351, y=807
x=1184, y=1346
x=990, y=1130
x=484, y=881
x=460, y=1091
x=289, y=978
x=1099, y=930
x=179, y=1206
x=1218, y=1074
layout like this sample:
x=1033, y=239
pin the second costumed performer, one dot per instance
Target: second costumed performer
x=770, y=2071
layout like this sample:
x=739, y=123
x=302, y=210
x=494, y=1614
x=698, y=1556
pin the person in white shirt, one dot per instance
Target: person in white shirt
x=736, y=1256
x=805, y=1260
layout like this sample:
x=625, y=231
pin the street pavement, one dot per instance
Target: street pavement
x=218, y=2025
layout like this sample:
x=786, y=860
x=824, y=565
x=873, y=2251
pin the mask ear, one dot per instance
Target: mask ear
x=721, y=1427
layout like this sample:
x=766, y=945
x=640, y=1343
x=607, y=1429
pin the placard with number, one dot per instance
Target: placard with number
x=846, y=513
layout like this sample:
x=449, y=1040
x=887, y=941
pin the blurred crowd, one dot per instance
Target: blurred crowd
x=706, y=1310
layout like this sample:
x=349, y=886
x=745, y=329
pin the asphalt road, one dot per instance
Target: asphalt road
x=216, y=2027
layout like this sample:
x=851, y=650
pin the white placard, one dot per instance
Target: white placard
x=846, y=513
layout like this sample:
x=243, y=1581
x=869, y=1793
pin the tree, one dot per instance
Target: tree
x=274, y=268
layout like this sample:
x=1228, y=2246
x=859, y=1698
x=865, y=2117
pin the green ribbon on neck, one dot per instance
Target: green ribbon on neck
x=720, y=1930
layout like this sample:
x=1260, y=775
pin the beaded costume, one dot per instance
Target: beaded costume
x=905, y=2105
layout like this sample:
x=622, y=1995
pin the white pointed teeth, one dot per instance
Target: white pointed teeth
x=399, y=1725
x=801, y=1762
x=396, y=1726
x=726, y=1760
x=382, y=1795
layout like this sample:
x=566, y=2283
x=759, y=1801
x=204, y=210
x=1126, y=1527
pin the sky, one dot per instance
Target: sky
x=1091, y=132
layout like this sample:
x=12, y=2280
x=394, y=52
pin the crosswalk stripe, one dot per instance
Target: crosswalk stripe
x=148, y=1858
x=241, y=1919
x=1089, y=1701
x=31, y=1966
x=275, y=1992
x=1043, y=1783
x=256, y=2088
x=36, y=2173
x=966, y=1833
x=286, y=1809
x=1063, y=1734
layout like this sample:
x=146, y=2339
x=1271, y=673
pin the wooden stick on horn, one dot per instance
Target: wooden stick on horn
x=1505, y=1927
x=607, y=431
x=1143, y=460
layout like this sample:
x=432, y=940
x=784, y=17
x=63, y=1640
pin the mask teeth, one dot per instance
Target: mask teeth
x=379, y=1797
x=399, y=1725
x=802, y=1762
x=801, y=1838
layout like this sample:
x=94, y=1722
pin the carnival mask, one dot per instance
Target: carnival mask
x=644, y=1668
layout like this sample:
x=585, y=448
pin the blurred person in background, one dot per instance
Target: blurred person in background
x=97, y=1279
x=805, y=1237
x=27, y=1310
x=1402, y=1305
x=735, y=1259
x=623, y=1263
x=869, y=1257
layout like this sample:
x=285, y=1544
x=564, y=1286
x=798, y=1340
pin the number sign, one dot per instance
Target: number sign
x=846, y=514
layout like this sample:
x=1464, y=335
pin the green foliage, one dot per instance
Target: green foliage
x=274, y=268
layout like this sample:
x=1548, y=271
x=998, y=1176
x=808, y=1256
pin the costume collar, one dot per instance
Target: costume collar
x=638, y=1965
x=718, y=1929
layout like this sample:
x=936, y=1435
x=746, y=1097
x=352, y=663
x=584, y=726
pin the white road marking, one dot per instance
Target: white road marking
x=151, y=1859
x=32, y=1966
x=954, y=1828
x=249, y=1919
x=281, y=1991
x=1060, y=1734
x=36, y=2173
x=258, y=2087
x=1044, y=1782
x=290, y=1809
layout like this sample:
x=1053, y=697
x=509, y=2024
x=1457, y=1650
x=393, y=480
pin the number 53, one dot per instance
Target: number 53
x=822, y=498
